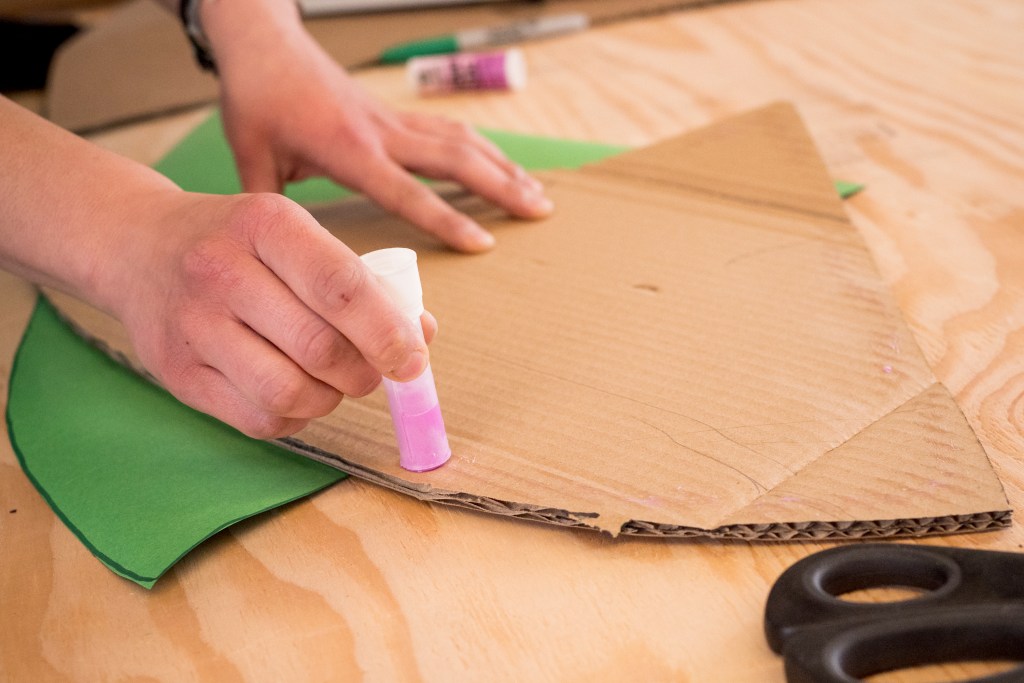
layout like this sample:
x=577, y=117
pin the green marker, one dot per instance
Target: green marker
x=474, y=38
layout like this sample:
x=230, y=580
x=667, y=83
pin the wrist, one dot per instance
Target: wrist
x=188, y=13
x=236, y=31
x=126, y=255
x=71, y=211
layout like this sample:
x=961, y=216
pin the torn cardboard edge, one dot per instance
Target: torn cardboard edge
x=765, y=244
x=772, y=531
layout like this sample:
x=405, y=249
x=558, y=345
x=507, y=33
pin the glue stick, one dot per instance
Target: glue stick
x=436, y=75
x=415, y=411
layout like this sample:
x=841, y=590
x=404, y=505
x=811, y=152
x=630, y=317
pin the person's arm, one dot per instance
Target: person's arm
x=290, y=112
x=243, y=306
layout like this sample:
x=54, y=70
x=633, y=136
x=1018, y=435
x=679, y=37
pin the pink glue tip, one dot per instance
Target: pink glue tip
x=423, y=443
x=416, y=414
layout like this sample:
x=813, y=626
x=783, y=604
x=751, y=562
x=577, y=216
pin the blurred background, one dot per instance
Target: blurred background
x=30, y=32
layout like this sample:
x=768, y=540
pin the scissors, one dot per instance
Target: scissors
x=973, y=609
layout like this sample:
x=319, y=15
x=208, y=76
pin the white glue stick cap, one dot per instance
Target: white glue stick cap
x=515, y=69
x=396, y=270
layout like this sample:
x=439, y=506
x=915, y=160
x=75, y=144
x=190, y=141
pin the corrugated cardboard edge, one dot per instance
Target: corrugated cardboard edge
x=775, y=531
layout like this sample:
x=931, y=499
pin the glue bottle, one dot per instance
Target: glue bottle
x=415, y=411
x=442, y=74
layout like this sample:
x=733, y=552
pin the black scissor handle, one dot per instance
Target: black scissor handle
x=974, y=609
x=987, y=633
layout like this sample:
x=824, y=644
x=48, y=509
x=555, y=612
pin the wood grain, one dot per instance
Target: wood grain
x=920, y=100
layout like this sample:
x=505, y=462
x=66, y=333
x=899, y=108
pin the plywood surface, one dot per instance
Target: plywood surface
x=921, y=102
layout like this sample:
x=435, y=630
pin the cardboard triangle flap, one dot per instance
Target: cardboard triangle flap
x=657, y=361
x=938, y=461
x=764, y=157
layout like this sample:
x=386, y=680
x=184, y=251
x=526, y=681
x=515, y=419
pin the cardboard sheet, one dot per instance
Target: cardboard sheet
x=696, y=344
x=138, y=62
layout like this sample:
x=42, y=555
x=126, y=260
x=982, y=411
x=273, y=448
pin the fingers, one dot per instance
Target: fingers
x=248, y=383
x=276, y=314
x=275, y=320
x=396, y=191
x=329, y=279
x=439, y=149
x=429, y=324
x=257, y=168
x=446, y=149
x=456, y=131
x=266, y=378
x=502, y=183
x=206, y=389
x=366, y=147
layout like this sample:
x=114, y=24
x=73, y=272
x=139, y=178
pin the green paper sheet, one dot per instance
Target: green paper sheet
x=140, y=478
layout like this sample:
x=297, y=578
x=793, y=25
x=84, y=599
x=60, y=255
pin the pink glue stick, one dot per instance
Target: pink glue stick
x=437, y=75
x=415, y=411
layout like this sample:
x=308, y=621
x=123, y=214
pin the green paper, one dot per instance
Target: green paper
x=140, y=478
x=847, y=188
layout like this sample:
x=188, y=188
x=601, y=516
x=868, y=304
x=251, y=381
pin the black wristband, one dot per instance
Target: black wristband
x=188, y=12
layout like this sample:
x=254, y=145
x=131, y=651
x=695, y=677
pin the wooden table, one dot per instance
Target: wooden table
x=923, y=101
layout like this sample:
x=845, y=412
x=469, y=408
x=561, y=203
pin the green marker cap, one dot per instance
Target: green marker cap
x=439, y=45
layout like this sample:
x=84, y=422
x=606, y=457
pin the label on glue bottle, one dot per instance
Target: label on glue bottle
x=437, y=75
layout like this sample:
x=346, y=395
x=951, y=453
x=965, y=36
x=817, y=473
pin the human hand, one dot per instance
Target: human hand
x=245, y=308
x=291, y=112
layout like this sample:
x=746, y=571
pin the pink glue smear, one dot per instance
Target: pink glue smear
x=416, y=414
